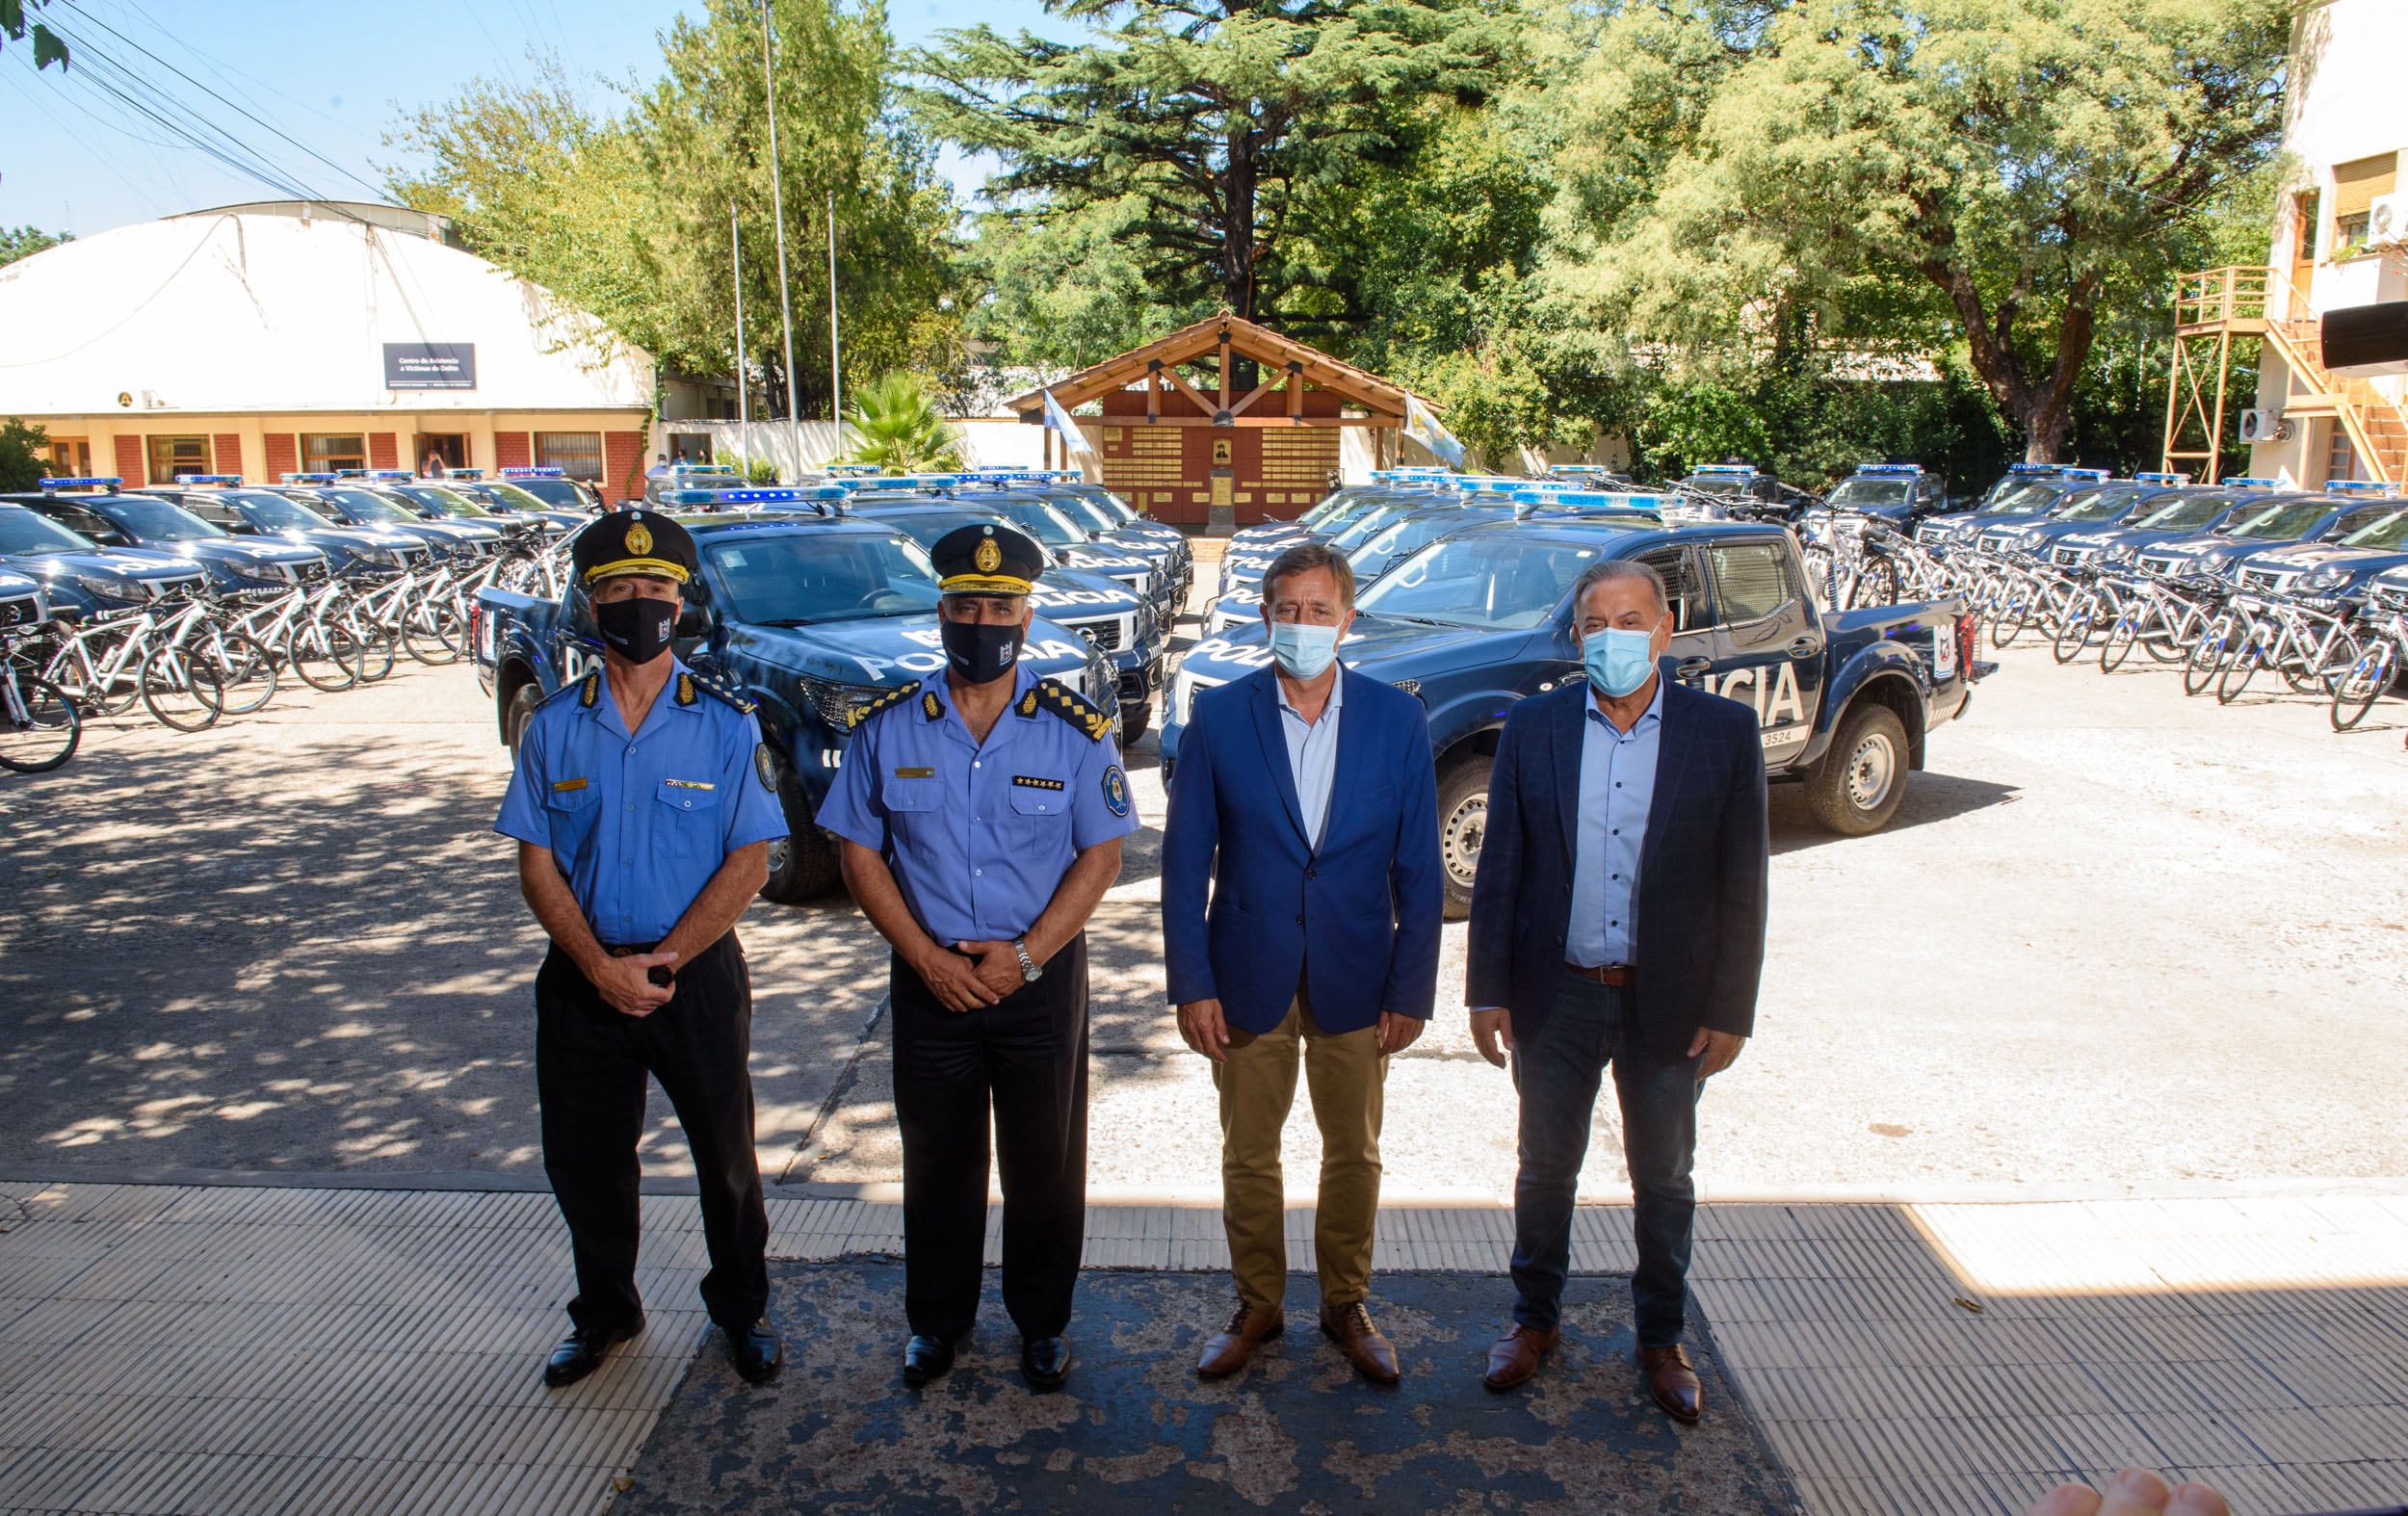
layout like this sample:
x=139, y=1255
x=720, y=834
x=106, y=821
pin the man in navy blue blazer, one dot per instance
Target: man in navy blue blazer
x=1301, y=901
x=1617, y=920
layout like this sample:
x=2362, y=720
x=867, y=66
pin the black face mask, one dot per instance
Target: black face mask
x=980, y=651
x=638, y=630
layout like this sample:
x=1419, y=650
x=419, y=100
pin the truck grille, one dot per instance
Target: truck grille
x=2073, y=556
x=2273, y=581
x=1994, y=542
x=18, y=612
x=2391, y=597
x=1110, y=633
x=2161, y=563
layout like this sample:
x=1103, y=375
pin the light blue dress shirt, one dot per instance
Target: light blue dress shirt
x=639, y=822
x=979, y=835
x=1313, y=754
x=1617, y=785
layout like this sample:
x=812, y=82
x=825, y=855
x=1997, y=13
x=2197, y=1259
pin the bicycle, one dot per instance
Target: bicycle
x=2155, y=618
x=39, y=729
x=2310, y=646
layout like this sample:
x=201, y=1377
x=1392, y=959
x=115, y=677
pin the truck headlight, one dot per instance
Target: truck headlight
x=835, y=702
x=2122, y=553
x=110, y=588
x=2328, y=578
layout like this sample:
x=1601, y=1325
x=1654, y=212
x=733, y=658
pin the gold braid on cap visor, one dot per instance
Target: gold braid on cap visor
x=657, y=567
x=983, y=584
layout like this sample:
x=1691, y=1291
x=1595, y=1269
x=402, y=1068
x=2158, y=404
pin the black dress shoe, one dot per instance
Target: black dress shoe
x=582, y=1351
x=927, y=1358
x=1045, y=1361
x=754, y=1351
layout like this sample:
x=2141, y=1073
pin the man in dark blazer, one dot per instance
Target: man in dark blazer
x=1618, y=920
x=1305, y=805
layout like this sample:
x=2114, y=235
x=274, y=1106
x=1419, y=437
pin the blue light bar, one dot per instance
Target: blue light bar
x=906, y=482
x=1588, y=499
x=849, y=468
x=2035, y=468
x=1579, y=469
x=1728, y=470
x=2252, y=482
x=771, y=495
x=208, y=479
x=309, y=478
x=2162, y=479
x=1031, y=476
x=456, y=473
x=82, y=482
x=373, y=473
x=2096, y=475
x=522, y=473
x=1889, y=470
x=2356, y=486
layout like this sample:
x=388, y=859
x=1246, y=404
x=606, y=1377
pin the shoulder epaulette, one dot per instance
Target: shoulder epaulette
x=588, y=689
x=892, y=697
x=691, y=685
x=1051, y=695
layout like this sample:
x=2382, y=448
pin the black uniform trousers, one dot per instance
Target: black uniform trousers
x=1025, y=1058
x=591, y=1067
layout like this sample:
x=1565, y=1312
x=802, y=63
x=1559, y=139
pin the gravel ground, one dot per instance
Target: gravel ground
x=2115, y=935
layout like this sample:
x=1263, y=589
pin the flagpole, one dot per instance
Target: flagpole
x=777, y=208
x=736, y=252
x=835, y=374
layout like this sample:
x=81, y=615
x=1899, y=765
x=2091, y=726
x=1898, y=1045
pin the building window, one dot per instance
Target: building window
x=2356, y=187
x=173, y=456
x=323, y=453
x=71, y=456
x=575, y=454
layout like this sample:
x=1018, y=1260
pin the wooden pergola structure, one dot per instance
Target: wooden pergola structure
x=1215, y=450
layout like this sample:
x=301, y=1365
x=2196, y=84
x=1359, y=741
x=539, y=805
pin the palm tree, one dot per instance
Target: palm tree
x=896, y=426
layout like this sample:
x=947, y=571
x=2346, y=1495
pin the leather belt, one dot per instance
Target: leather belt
x=1618, y=975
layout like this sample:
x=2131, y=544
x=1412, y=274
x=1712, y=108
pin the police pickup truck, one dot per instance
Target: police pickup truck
x=811, y=616
x=1481, y=617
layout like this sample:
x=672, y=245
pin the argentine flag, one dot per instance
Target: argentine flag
x=1059, y=421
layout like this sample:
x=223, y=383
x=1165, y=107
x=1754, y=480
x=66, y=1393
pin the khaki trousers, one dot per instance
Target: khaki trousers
x=1345, y=1073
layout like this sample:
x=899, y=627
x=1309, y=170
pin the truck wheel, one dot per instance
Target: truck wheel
x=1462, y=823
x=524, y=698
x=1134, y=719
x=1857, y=787
x=802, y=865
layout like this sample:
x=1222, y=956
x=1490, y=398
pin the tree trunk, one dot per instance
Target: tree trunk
x=1237, y=232
x=2043, y=411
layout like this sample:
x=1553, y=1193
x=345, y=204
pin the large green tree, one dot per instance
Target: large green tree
x=1201, y=125
x=2004, y=174
x=625, y=215
x=23, y=242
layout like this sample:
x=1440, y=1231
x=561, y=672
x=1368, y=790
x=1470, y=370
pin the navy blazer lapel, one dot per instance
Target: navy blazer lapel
x=1350, y=740
x=1674, y=738
x=1266, y=719
x=1570, y=730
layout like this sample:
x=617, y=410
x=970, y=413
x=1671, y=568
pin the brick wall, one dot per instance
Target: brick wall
x=227, y=448
x=622, y=463
x=513, y=450
x=283, y=450
x=131, y=466
x=382, y=452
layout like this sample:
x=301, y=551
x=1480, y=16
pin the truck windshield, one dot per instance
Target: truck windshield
x=1366, y=526
x=2184, y=515
x=510, y=497
x=927, y=527
x=808, y=578
x=1036, y=518
x=558, y=494
x=440, y=501
x=2024, y=500
x=1333, y=505
x=275, y=514
x=24, y=531
x=1490, y=582
x=2095, y=504
x=1858, y=494
x=357, y=504
x=1393, y=543
x=2282, y=523
x=1087, y=512
x=2390, y=532
x=156, y=521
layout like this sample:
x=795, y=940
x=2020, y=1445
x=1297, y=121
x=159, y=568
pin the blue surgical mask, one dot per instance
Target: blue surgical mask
x=1303, y=651
x=1618, y=661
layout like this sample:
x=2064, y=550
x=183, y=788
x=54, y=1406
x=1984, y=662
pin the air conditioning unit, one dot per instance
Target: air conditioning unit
x=2386, y=218
x=2264, y=426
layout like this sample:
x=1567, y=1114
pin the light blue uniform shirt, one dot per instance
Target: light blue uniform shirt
x=978, y=837
x=638, y=822
x=1313, y=754
x=1617, y=785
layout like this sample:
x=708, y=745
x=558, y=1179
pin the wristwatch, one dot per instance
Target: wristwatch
x=1029, y=973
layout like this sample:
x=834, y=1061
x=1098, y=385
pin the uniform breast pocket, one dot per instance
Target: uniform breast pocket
x=909, y=795
x=691, y=827
x=1039, y=804
x=569, y=815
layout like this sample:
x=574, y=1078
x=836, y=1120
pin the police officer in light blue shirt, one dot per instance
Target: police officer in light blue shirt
x=643, y=803
x=982, y=816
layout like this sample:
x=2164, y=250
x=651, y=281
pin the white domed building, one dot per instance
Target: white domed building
x=297, y=336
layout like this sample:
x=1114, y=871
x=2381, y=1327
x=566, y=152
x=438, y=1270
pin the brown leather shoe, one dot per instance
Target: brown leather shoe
x=1516, y=1355
x=1350, y=1327
x=1673, y=1382
x=1233, y=1348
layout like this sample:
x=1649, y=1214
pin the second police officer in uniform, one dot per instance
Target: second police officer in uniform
x=644, y=805
x=982, y=816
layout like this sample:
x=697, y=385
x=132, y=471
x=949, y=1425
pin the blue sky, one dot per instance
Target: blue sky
x=333, y=76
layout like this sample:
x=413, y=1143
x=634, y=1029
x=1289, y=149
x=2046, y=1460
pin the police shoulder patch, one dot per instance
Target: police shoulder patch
x=764, y=766
x=1074, y=708
x=1115, y=790
x=892, y=697
x=591, y=689
x=717, y=691
x=685, y=690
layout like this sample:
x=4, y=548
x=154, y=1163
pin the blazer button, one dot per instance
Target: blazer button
x=1312, y=873
x=1300, y=921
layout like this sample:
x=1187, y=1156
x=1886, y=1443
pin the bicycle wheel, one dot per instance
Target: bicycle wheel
x=372, y=648
x=423, y=638
x=1876, y=585
x=2326, y=667
x=321, y=654
x=2237, y=674
x=246, y=670
x=2073, y=632
x=38, y=727
x=180, y=691
x=2356, y=690
x=2172, y=633
x=2117, y=645
x=2206, y=655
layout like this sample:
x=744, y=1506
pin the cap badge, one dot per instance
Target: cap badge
x=639, y=539
x=989, y=557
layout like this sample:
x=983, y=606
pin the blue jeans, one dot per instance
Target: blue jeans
x=1557, y=1071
